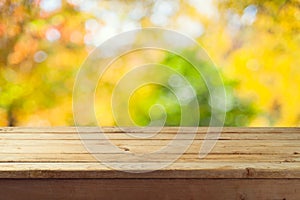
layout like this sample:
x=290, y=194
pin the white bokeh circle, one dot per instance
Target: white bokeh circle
x=147, y=38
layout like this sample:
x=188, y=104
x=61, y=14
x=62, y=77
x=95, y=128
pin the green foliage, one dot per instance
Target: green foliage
x=239, y=111
x=256, y=42
x=36, y=73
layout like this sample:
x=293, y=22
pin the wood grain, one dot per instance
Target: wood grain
x=58, y=152
x=52, y=163
x=147, y=189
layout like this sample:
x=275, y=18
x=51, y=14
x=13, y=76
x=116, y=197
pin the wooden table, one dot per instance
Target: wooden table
x=246, y=163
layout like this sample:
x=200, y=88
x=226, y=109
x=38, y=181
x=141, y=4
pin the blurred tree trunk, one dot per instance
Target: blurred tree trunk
x=11, y=116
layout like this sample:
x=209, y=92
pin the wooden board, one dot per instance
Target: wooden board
x=147, y=189
x=53, y=163
x=27, y=152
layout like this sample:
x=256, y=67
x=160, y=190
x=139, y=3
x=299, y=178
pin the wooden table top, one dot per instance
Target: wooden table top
x=239, y=153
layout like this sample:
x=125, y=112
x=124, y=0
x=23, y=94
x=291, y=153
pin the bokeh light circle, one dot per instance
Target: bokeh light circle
x=141, y=39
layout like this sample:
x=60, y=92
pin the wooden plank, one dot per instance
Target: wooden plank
x=16, y=146
x=176, y=170
x=86, y=157
x=159, y=136
x=290, y=130
x=164, y=189
x=151, y=143
x=27, y=152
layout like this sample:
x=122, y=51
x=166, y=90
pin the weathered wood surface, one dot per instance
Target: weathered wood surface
x=239, y=153
x=147, y=189
x=246, y=163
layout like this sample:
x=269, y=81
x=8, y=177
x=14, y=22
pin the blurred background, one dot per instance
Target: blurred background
x=254, y=44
